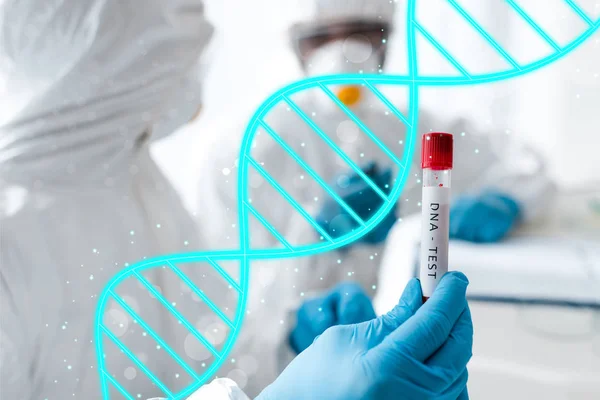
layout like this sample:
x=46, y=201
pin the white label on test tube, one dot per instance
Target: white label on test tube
x=434, y=237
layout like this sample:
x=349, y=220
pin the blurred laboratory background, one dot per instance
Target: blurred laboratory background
x=554, y=109
x=535, y=296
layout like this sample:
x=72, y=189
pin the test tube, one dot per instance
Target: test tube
x=436, y=162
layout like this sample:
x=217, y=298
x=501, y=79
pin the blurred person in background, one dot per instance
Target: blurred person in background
x=85, y=87
x=496, y=184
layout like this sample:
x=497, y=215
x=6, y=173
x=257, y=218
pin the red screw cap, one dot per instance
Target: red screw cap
x=436, y=151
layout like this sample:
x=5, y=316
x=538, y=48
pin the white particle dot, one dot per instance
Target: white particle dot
x=130, y=373
x=194, y=349
x=117, y=320
x=91, y=277
x=239, y=376
x=226, y=171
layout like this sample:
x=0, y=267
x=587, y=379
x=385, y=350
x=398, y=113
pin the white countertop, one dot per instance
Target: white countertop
x=524, y=351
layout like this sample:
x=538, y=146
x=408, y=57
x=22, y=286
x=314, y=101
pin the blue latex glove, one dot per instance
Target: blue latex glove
x=413, y=352
x=363, y=200
x=485, y=218
x=345, y=304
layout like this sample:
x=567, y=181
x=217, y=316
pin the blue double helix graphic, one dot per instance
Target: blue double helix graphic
x=413, y=80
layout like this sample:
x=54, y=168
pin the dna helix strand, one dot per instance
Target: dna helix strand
x=178, y=264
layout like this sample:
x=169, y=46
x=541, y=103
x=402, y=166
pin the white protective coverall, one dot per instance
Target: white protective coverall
x=483, y=159
x=83, y=86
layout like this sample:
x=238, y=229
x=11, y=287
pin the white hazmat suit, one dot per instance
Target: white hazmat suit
x=84, y=85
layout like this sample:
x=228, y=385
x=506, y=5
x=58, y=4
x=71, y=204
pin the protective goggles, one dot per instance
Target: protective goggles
x=308, y=37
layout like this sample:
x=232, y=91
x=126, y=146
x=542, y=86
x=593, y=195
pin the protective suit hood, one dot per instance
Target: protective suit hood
x=76, y=93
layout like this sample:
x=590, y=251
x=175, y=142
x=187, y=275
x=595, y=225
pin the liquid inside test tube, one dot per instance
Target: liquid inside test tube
x=436, y=161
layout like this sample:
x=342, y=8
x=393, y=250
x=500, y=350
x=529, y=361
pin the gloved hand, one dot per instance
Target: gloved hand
x=345, y=304
x=413, y=352
x=485, y=218
x=363, y=200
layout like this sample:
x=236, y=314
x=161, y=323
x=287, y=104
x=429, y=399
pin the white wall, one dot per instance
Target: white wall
x=559, y=111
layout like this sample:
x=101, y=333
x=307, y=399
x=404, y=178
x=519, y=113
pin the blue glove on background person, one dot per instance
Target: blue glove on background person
x=485, y=218
x=346, y=303
x=413, y=352
x=363, y=200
